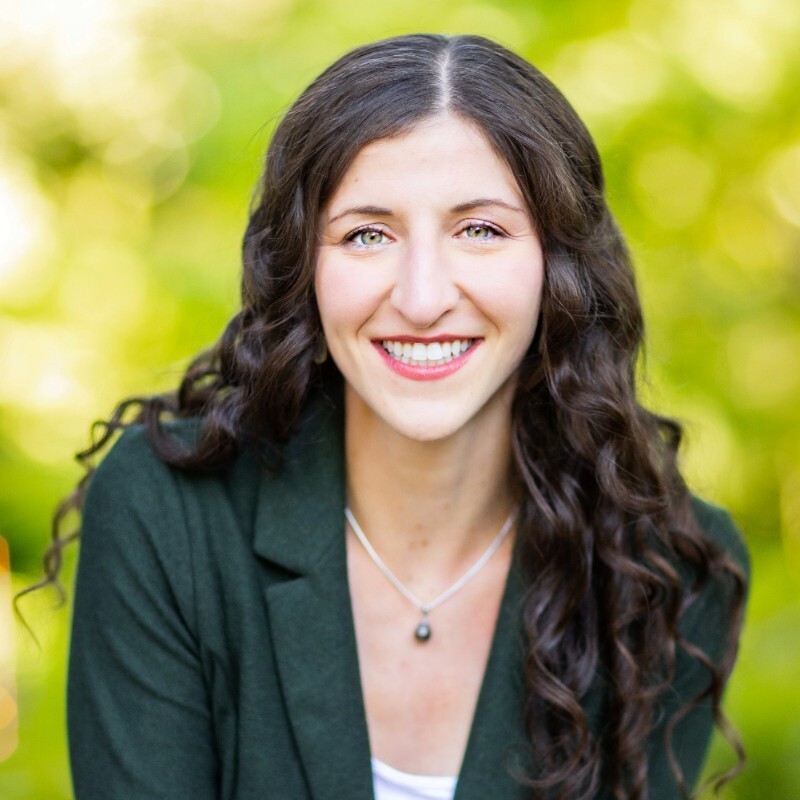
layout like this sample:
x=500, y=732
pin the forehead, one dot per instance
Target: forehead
x=442, y=154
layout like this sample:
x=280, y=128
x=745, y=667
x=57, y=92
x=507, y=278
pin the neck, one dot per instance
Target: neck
x=446, y=498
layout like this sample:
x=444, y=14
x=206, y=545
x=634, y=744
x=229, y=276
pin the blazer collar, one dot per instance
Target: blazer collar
x=300, y=505
x=299, y=528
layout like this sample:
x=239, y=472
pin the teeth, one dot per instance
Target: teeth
x=426, y=355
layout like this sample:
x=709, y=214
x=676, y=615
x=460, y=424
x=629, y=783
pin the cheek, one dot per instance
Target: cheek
x=514, y=299
x=529, y=280
x=344, y=299
x=332, y=294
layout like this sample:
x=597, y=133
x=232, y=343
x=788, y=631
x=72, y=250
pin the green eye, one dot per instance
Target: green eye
x=477, y=232
x=368, y=238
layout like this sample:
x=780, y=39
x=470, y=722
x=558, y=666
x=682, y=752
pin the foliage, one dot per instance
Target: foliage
x=131, y=135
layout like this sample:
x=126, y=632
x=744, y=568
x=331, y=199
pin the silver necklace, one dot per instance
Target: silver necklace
x=423, y=630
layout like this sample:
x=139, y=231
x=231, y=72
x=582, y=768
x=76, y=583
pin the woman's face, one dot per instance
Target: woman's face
x=429, y=279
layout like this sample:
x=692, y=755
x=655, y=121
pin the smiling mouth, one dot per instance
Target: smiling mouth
x=431, y=354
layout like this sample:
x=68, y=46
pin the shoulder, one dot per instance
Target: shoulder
x=129, y=486
x=138, y=506
x=133, y=475
x=154, y=536
x=137, y=503
x=721, y=531
x=715, y=596
x=130, y=468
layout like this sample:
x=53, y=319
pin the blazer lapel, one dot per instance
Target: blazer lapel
x=300, y=528
x=497, y=745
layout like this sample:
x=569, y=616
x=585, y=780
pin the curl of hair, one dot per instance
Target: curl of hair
x=606, y=520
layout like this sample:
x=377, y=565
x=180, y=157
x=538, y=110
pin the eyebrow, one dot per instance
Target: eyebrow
x=376, y=211
x=482, y=202
x=469, y=205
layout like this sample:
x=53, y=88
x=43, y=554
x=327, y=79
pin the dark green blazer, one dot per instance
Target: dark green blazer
x=213, y=650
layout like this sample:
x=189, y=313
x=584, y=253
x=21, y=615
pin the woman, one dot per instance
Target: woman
x=408, y=509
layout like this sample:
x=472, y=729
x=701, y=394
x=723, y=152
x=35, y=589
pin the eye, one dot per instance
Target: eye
x=480, y=231
x=367, y=237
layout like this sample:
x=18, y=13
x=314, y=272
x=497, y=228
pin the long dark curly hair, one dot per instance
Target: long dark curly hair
x=606, y=526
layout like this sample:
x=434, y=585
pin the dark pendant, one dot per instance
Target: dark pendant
x=423, y=631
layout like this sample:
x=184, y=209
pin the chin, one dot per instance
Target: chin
x=433, y=432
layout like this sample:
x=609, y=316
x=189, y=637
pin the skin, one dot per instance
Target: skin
x=427, y=238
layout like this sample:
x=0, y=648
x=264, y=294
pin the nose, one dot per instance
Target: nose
x=424, y=290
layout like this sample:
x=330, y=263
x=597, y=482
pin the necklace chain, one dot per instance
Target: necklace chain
x=423, y=630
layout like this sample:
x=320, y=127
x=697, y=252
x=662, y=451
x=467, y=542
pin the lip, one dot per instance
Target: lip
x=415, y=373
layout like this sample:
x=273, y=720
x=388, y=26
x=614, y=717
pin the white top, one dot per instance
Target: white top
x=391, y=784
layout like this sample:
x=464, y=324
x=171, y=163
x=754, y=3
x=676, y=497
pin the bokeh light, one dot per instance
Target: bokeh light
x=131, y=136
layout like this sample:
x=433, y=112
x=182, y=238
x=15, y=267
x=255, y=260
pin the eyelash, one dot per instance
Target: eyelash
x=493, y=230
x=351, y=237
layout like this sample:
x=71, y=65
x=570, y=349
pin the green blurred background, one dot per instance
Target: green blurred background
x=131, y=134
